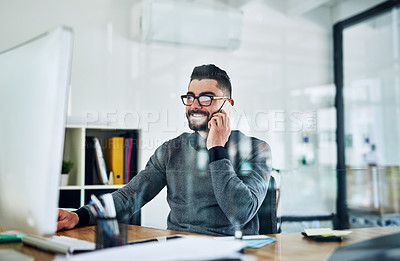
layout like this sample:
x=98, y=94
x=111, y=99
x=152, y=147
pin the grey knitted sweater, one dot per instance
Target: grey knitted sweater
x=209, y=192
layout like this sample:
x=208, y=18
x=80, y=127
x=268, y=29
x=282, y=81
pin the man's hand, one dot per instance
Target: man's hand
x=219, y=130
x=66, y=219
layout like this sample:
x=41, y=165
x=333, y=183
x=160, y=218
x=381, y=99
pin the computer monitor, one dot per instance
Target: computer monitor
x=34, y=81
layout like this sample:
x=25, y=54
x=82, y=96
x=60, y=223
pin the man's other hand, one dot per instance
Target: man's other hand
x=66, y=219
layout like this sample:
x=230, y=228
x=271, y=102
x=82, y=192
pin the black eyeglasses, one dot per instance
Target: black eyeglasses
x=204, y=100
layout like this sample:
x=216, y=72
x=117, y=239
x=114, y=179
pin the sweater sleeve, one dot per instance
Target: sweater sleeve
x=83, y=214
x=241, y=191
x=141, y=189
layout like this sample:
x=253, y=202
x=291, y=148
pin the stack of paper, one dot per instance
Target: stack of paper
x=325, y=232
x=185, y=248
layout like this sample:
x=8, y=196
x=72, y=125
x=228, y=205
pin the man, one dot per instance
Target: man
x=216, y=178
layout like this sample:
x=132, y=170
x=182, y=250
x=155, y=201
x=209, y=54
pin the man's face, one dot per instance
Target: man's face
x=198, y=115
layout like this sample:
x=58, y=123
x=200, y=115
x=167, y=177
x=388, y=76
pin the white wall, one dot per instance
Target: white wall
x=346, y=9
x=117, y=79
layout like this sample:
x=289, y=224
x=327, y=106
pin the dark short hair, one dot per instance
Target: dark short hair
x=210, y=71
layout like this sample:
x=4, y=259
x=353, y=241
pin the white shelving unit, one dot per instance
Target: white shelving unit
x=76, y=193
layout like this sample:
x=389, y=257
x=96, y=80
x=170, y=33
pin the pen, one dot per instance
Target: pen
x=97, y=203
x=110, y=209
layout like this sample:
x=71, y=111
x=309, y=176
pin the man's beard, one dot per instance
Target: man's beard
x=198, y=124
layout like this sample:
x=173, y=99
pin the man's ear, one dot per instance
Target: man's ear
x=231, y=101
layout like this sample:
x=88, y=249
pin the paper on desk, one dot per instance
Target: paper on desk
x=186, y=248
x=325, y=232
x=252, y=241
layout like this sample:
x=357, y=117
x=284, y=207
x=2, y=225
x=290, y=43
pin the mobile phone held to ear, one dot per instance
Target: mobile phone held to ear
x=228, y=108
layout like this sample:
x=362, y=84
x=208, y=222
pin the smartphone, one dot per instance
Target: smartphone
x=228, y=108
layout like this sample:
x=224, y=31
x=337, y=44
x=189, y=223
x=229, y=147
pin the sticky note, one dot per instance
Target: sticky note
x=319, y=232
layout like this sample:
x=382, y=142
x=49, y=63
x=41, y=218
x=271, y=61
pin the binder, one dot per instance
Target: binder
x=115, y=158
x=134, y=159
x=133, y=165
x=127, y=159
x=100, y=162
x=89, y=161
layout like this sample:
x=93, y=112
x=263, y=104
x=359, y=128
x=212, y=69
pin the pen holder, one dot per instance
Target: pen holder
x=110, y=233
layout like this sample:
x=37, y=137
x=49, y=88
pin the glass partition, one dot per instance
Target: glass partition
x=371, y=103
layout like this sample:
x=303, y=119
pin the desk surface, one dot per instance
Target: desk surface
x=290, y=246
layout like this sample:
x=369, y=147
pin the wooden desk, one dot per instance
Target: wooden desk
x=291, y=246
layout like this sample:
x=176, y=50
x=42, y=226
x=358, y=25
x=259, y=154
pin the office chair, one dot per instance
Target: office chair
x=267, y=213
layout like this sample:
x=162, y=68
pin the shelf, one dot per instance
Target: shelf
x=70, y=187
x=77, y=192
x=103, y=186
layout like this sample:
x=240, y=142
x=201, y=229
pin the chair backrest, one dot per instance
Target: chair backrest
x=267, y=213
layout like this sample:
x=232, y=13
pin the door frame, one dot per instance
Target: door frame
x=341, y=219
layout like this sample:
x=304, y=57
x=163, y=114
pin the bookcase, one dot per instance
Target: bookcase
x=77, y=193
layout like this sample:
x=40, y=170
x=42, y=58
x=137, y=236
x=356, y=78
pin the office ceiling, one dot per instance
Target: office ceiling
x=296, y=7
x=292, y=7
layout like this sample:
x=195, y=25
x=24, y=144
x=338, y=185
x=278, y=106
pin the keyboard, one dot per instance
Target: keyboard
x=59, y=244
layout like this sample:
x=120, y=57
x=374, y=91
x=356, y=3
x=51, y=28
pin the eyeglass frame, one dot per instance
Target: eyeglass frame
x=198, y=100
